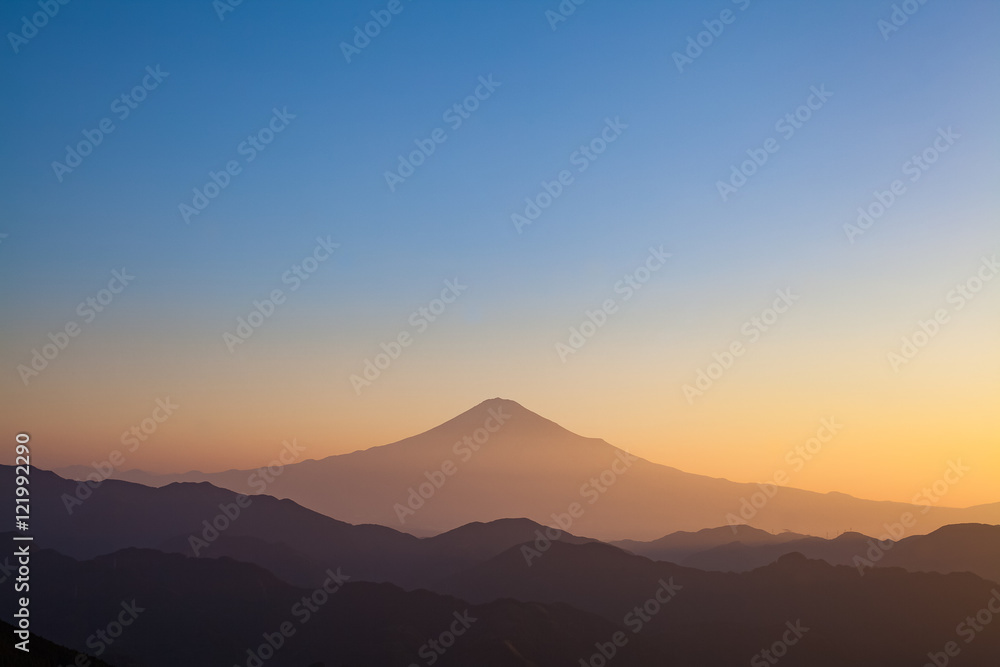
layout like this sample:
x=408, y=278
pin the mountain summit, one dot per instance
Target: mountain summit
x=508, y=420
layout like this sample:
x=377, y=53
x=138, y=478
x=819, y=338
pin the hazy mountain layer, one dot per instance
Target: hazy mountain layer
x=501, y=460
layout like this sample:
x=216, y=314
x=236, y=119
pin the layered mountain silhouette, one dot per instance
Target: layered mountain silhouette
x=211, y=612
x=958, y=548
x=539, y=596
x=888, y=617
x=295, y=543
x=561, y=608
x=683, y=544
x=500, y=460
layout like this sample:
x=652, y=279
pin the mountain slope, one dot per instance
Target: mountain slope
x=295, y=543
x=42, y=652
x=210, y=612
x=675, y=547
x=959, y=548
x=500, y=460
x=887, y=618
x=971, y=548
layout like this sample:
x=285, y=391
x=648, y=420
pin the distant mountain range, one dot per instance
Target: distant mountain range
x=958, y=548
x=888, y=617
x=210, y=575
x=295, y=543
x=540, y=597
x=500, y=460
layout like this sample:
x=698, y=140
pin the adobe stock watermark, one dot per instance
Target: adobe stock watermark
x=779, y=649
x=135, y=436
x=968, y=630
x=303, y=611
x=786, y=126
x=264, y=309
x=420, y=320
x=88, y=310
x=581, y=158
x=562, y=12
x=594, y=320
x=752, y=330
x=435, y=647
x=796, y=458
x=928, y=497
x=249, y=148
x=223, y=7
x=899, y=17
x=104, y=637
x=122, y=106
x=464, y=449
x=365, y=33
x=958, y=297
x=432, y=650
x=714, y=28
x=257, y=481
x=31, y=25
x=592, y=490
x=454, y=116
x=914, y=168
x=635, y=620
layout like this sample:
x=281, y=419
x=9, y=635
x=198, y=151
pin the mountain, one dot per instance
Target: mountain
x=186, y=517
x=210, y=612
x=500, y=460
x=479, y=541
x=295, y=543
x=958, y=548
x=971, y=548
x=886, y=618
x=41, y=653
x=675, y=547
x=567, y=605
x=539, y=601
x=742, y=548
x=740, y=557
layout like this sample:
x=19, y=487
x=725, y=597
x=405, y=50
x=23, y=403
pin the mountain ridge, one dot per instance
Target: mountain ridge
x=499, y=459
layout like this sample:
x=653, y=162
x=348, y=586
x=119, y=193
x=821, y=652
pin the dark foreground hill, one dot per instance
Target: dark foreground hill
x=572, y=603
x=41, y=653
x=177, y=611
x=542, y=602
x=886, y=617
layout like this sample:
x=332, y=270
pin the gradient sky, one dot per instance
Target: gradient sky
x=323, y=176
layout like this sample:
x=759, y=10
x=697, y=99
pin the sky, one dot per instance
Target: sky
x=677, y=173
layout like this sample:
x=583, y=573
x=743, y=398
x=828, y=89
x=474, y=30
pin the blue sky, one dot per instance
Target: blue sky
x=324, y=175
x=608, y=59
